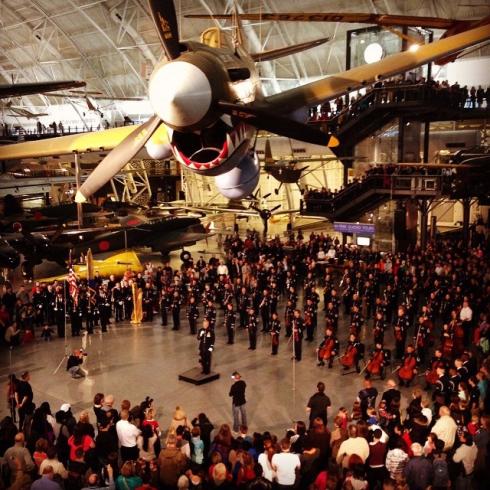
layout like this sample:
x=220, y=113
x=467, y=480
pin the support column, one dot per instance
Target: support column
x=424, y=221
x=466, y=201
x=425, y=156
x=78, y=179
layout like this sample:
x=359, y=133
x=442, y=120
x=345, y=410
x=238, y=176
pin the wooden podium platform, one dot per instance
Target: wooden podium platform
x=195, y=376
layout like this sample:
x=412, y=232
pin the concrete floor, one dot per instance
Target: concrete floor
x=133, y=362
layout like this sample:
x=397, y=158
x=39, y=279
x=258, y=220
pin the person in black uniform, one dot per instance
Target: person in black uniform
x=148, y=303
x=243, y=303
x=309, y=322
x=192, y=315
x=104, y=304
x=332, y=316
x=49, y=296
x=288, y=317
x=264, y=308
x=230, y=322
x=274, y=296
x=400, y=331
x=117, y=299
x=59, y=313
x=275, y=332
x=128, y=301
x=252, y=329
x=175, y=306
x=90, y=311
x=441, y=389
x=76, y=319
x=379, y=328
x=210, y=314
x=297, y=335
x=164, y=306
x=206, y=346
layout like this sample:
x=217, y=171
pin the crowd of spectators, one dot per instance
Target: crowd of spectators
x=398, y=90
x=440, y=439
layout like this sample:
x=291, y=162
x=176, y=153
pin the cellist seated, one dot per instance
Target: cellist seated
x=328, y=349
x=436, y=362
x=378, y=361
x=352, y=354
x=408, y=370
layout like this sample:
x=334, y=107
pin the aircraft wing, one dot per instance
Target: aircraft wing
x=347, y=17
x=19, y=89
x=63, y=145
x=280, y=52
x=331, y=87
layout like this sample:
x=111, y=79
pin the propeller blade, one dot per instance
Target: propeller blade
x=275, y=207
x=266, y=195
x=165, y=20
x=263, y=119
x=117, y=158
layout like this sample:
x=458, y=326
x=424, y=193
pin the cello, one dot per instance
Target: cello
x=349, y=359
x=376, y=364
x=407, y=371
x=325, y=352
x=431, y=375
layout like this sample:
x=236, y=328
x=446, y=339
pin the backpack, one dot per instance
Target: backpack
x=441, y=474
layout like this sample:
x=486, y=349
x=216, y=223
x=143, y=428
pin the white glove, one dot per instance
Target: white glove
x=210, y=349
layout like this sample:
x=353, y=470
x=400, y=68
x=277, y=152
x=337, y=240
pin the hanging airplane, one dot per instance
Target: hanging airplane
x=209, y=104
x=450, y=26
x=16, y=111
x=20, y=89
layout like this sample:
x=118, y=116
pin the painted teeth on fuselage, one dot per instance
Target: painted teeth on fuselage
x=233, y=140
x=230, y=142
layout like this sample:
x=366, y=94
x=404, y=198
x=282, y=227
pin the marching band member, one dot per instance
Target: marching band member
x=309, y=319
x=206, y=346
x=288, y=318
x=275, y=332
x=379, y=328
x=297, y=333
x=252, y=329
x=192, y=314
x=230, y=322
x=332, y=315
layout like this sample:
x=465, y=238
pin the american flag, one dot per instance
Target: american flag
x=72, y=285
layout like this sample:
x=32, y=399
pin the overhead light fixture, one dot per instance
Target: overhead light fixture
x=373, y=53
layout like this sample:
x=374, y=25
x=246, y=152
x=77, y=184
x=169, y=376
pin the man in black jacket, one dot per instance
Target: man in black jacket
x=238, y=404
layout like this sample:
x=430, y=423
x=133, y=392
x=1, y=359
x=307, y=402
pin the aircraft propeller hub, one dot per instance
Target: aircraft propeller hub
x=180, y=94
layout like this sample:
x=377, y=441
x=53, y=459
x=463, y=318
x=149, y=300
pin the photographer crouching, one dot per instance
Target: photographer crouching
x=73, y=365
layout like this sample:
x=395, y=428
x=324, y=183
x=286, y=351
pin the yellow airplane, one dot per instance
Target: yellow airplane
x=208, y=104
x=117, y=264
